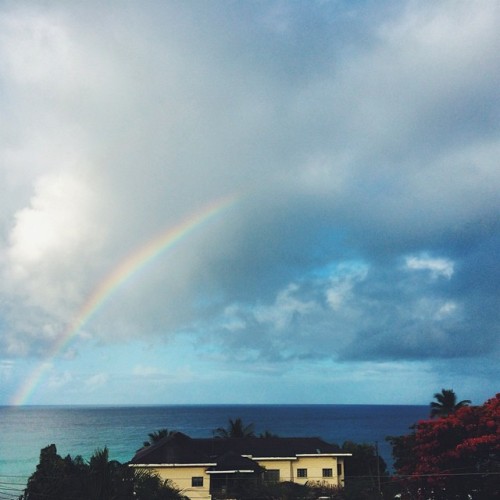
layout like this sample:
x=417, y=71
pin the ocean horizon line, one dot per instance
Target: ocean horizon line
x=219, y=405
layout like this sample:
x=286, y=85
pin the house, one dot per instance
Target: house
x=201, y=467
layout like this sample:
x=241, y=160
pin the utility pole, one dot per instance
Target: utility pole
x=378, y=470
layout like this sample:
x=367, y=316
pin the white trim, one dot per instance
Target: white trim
x=173, y=465
x=228, y=471
x=272, y=458
x=324, y=454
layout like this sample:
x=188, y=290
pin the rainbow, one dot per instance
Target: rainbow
x=129, y=266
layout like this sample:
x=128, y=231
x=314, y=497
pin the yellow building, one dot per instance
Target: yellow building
x=202, y=467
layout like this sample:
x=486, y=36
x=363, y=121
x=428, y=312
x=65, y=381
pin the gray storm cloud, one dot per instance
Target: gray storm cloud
x=366, y=170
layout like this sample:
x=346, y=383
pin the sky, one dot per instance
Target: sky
x=249, y=202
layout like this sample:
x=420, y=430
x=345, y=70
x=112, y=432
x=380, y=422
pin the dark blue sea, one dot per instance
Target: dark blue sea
x=79, y=430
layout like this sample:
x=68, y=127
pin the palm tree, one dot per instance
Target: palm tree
x=446, y=403
x=100, y=475
x=235, y=429
x=267, y=435
x=155, y=436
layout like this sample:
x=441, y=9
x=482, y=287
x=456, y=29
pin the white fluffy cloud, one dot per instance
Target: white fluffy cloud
x=51, y=230
x=436, y=266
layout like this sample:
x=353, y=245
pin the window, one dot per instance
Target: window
x=327, y=473
x=339, y=469
x=196, y=481
x=301, y=472
x=272, y=476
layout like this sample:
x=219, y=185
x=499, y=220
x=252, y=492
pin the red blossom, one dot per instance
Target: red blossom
x=465, y=442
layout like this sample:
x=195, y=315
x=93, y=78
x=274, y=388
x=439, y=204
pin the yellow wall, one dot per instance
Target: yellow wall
x=313, y=464
x=284, y=466
x=181, y=477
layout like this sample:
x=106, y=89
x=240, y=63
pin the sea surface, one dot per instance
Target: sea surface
x=80, y=430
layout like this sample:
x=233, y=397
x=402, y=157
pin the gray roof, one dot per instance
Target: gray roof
x=232, y=462
x=181, y=449
x=173, y=449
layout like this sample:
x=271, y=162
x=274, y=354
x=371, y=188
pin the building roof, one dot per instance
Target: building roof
x=231, y=463
x=176, y=448
x=181, y=449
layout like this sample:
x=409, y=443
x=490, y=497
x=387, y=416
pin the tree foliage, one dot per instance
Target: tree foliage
x=156, y=436
x=235, y=429
x=456, y=457
x=446, y=403
x=69, y=478
x=366, y=474
x=55, y=477
x=284, y=490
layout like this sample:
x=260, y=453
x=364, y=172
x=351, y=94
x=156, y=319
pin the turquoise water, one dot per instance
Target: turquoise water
x=79, y=430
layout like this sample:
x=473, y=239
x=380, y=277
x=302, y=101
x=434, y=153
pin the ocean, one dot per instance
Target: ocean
x=80, y=430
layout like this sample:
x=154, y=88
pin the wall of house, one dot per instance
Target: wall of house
x=182, y=476
x=341, y=477
x=314, y=465
x=282, y=465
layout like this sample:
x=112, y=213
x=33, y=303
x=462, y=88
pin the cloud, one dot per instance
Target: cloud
x=360, y=142
x=47, y=235
x=360, y=312
x=437, y=267
x=148, y=371
x=58, y=380
x=342, y=283
x=96, y=381
x=6, y=368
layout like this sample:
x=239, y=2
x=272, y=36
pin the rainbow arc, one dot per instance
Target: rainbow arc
x=128, y=267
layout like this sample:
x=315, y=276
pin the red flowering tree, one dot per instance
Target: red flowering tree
x=453, y=458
